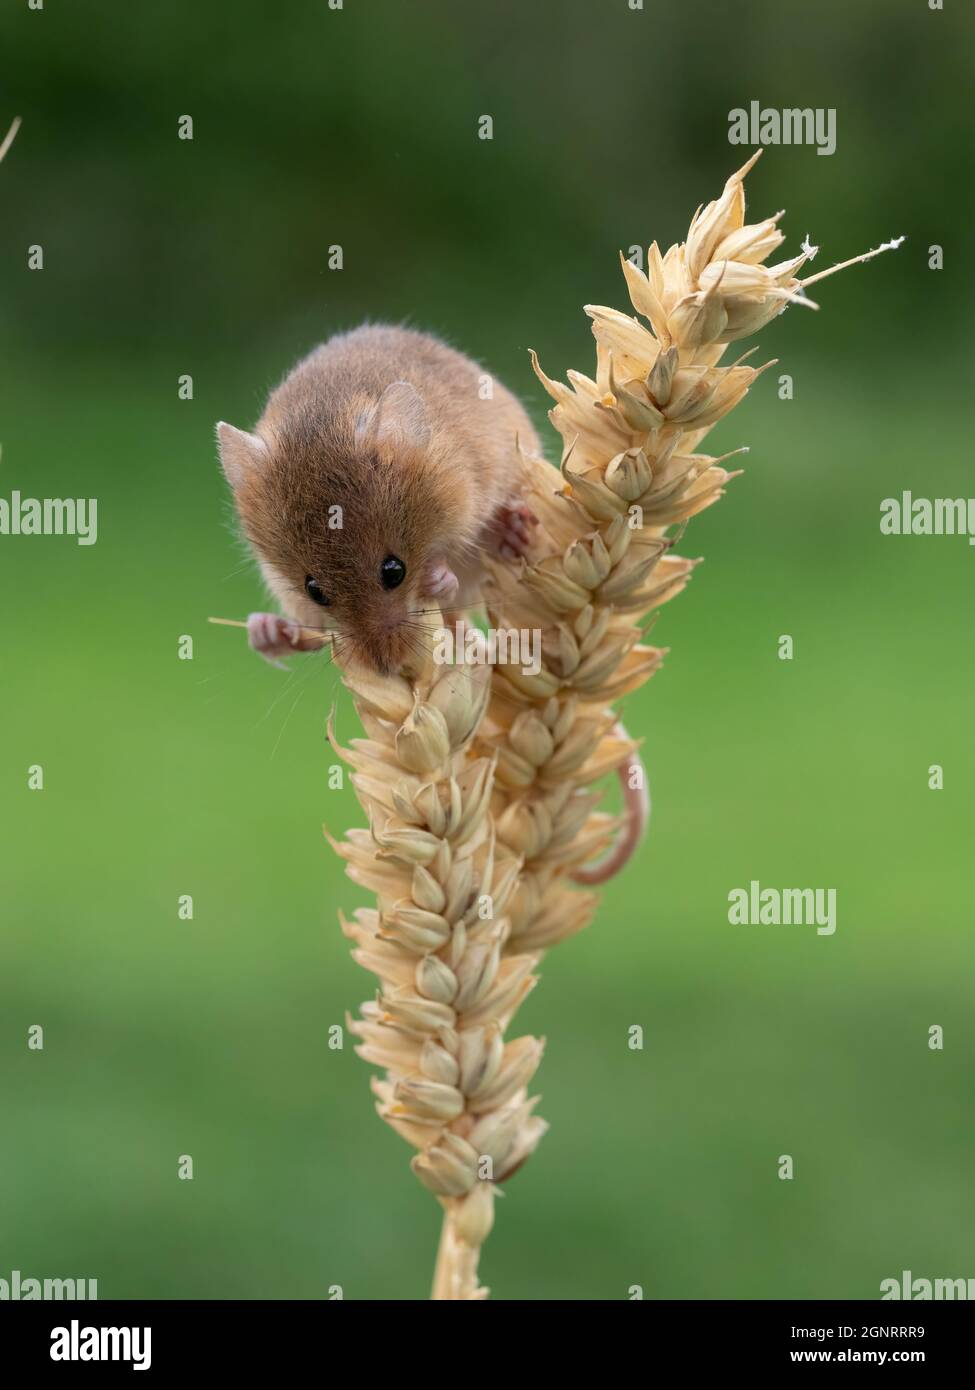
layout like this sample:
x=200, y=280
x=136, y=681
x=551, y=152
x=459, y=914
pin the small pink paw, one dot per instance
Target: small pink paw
x=441, y=582
x=272, y=636
x=512, y=527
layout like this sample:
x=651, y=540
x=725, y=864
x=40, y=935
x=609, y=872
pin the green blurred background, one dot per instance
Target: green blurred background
x=209, y=777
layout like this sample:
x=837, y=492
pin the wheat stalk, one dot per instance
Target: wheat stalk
x=477, y=785
x=9, y=138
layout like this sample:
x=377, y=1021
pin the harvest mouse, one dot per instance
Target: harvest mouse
x=377, y=475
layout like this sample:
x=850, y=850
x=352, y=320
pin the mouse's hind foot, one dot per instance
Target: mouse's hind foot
x=511, y=529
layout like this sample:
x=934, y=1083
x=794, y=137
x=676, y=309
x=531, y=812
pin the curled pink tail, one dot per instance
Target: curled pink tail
x=636, y=801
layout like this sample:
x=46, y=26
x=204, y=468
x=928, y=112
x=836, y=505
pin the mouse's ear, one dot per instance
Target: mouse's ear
x=239, y=452
x=398, y=418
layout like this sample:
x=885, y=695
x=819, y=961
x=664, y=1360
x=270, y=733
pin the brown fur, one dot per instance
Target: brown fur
x=426, y=502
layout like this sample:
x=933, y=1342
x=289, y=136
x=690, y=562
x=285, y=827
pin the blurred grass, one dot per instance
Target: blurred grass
x=210, y=1037
x=209, y=777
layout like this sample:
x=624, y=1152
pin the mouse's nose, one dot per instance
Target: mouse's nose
x=387, y=622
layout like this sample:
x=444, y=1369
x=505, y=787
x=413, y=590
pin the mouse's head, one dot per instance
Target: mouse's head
x=346, y=515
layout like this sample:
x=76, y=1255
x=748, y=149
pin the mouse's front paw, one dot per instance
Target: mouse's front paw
x=441, y=582
x=272, y=636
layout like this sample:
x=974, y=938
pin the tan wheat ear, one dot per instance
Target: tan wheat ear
x=632, y=470
x=477, y=782
x=455, y=1086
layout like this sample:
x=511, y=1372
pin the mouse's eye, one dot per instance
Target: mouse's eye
x=314, y=591
x=392, y=572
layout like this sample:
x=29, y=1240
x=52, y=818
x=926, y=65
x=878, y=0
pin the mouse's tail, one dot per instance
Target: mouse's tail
x=636, y=801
